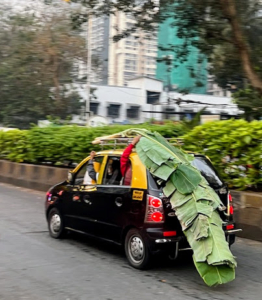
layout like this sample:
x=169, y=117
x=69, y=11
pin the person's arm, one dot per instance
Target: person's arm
x=91, y=170
x=125, y=156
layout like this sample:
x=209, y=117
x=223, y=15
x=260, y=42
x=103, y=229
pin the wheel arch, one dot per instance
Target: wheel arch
x=125, y=231
x=51, y=207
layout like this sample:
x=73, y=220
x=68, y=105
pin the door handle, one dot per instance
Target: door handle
x=119, y=201
x=87, y=199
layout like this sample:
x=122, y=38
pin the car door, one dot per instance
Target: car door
x=111, y=202
x=79, y=212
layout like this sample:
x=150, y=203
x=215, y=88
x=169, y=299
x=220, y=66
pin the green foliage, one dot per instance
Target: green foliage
x=227, y=33
x=235, y=148
x=250, y=101
x=190, y=124
x=60, y=145
x=37, y=60
x=194, y=202
x=14, y=145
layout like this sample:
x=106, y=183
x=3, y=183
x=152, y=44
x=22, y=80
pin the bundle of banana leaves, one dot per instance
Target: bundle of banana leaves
x=196, y=204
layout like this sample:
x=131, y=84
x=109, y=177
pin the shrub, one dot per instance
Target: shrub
x=65, y=144
x=14, y=145
x=235, y=148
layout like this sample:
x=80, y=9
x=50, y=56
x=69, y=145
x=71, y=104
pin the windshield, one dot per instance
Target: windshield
x=207, y=170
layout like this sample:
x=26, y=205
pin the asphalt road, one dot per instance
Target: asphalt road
x=35, y=266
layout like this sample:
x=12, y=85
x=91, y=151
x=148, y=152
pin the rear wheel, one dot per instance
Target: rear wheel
x=55, y=224
x=136, y=250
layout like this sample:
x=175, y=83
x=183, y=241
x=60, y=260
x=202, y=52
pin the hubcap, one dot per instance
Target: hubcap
x=136, y=249
x=55, y=223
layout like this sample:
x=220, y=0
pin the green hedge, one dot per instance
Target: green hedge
x=60, y=145
x=239, y=142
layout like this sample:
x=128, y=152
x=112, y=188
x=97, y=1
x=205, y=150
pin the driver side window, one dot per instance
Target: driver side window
x=83, y=176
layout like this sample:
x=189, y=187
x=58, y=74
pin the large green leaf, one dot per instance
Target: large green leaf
x=214, y=275
x=207, y=193
x=220, y=253
x=200, y=228
x=186, y=179
x=157, y=156
x=177, y=198
x=182, y=156
x=153, y=155
x=202, y=248
x=164, y=172
x=169, y=189
x=190, y=210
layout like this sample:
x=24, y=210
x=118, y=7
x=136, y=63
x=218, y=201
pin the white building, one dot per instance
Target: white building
x=144, y=99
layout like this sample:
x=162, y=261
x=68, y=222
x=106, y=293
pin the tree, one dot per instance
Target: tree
x=251, y=102
x=206, y=24
x=38, y=58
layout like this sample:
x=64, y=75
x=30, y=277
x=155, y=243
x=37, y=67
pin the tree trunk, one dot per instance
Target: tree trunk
x=56, y=83
x=229, y=9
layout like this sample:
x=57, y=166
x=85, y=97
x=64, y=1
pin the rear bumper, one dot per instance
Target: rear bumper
x=157, y=242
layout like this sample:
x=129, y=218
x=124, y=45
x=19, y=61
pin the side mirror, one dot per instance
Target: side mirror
x=69, y=177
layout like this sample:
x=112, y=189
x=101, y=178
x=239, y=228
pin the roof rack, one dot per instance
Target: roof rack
x=116, y=142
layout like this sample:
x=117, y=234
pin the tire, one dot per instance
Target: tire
x=55, y=224
x=136, y=250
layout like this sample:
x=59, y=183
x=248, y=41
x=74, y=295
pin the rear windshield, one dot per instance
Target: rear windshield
x=207, y=170
x=203, y=165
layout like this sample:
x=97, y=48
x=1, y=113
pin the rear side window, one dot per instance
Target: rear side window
x=208, y=171
x=112, y=175
x=152, y=182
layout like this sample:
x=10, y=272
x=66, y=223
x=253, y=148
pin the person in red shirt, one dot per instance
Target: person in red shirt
x=125, y=165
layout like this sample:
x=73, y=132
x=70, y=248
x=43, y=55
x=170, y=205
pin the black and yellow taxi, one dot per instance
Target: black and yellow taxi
x=137, y=216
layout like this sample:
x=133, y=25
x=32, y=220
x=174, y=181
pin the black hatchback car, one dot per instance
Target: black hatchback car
x=137, y=216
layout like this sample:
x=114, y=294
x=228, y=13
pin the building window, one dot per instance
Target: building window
x=129, y=74
x=132, y=112
x=113, y=110
x=94, y=107
x=152, y=97
x=168, y=112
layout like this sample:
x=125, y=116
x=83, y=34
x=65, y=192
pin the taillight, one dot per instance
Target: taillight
x=154, y=210
x=156, y=202
x=230, y=227
x=169, y=233
x=230, y=208
x=157, y=216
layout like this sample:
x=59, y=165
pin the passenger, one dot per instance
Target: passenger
x=90, y=175
x=113, y=174
x=125, y=164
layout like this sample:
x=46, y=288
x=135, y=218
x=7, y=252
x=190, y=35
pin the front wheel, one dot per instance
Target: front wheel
x=136, y=250
x=55, y=224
